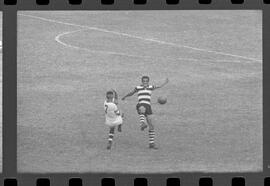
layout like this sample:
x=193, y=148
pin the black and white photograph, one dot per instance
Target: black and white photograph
x=1, y=119
x=158, y=91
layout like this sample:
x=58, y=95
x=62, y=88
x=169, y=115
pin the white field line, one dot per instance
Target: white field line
x=142, y=38
x=58, y=39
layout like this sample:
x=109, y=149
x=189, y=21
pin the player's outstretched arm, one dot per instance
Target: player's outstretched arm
x=163, y=84
x=115, y=96
x=129, y=94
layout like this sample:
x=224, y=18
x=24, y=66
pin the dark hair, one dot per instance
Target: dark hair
x=146, y=77
x=108, y=92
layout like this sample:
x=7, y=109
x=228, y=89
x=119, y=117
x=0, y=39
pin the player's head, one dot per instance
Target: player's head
x=145, y=80
x=109, y=95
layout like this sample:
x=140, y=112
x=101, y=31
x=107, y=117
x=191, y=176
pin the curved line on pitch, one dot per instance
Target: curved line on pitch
x=58, y=39
x=142, y=38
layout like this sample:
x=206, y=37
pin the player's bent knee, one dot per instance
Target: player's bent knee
x=151, y=127
x=112, y=129
x=149, y=121
x=142, y=110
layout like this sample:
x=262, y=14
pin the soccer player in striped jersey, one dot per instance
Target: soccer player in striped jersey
x=113, y=117
x=143, y=107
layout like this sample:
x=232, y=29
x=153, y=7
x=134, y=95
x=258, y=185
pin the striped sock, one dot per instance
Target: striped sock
x=142, y=119
x=110, y=139
x=151, y=136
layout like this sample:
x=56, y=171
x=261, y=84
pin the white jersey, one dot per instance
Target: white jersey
x=112, y=114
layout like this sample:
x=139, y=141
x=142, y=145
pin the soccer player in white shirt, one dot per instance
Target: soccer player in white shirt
x=143, y=107
x=113, y=117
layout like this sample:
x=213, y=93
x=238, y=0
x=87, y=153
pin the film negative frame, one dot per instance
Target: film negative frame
x=9, y=9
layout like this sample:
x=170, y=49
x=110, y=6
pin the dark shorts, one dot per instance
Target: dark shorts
x=148, y=109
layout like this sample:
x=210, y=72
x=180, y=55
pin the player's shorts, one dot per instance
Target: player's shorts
x=115, y=122
x=148, y=109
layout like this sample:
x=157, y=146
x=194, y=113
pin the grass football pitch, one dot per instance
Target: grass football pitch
x=212, y=121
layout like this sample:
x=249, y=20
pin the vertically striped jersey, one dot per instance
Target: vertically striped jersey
x=144, y=93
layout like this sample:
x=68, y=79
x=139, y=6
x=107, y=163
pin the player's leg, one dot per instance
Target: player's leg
x=151, y=128
x=110, y=138
x=149, y=122
x=151, y=132
x=119, y=128
x=141, y=111
x=119, y=122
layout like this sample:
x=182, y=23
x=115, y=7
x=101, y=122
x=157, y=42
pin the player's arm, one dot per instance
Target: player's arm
x=117, y=112
x=129, y=94
x=115, y=96
x=163, y=84
x=106, y=108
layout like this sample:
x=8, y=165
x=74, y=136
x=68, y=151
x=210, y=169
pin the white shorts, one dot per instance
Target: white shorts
x=115, y=122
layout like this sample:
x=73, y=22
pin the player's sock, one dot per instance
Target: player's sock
x=142, y=122
x=142, y=119
x=110, y=139
x=151, y=137
x=119, y=128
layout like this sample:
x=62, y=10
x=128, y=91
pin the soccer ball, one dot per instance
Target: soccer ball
x=162, y=100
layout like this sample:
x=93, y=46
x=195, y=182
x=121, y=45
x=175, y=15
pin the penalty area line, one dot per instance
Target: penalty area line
x=58, y=39
x=142, y=38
